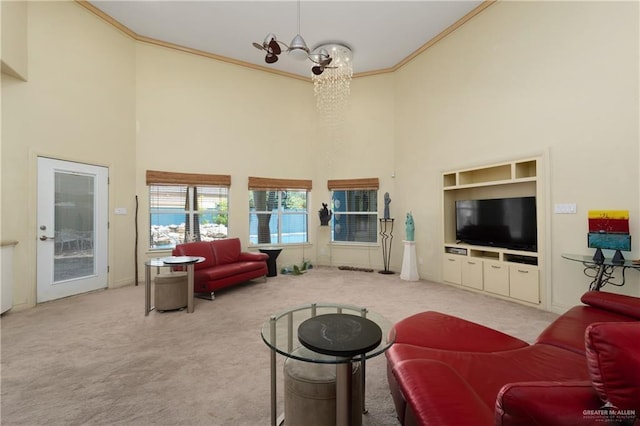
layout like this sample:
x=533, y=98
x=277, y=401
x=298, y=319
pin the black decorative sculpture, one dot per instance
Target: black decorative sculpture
x=325, y=215
x=387, y=201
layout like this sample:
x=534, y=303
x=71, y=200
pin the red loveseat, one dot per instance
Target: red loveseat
x=443, y=370
x=225, y=264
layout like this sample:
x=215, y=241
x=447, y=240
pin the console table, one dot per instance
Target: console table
x=602, y=271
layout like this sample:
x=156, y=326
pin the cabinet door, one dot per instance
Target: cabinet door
x=451, y=269
x=523, y=283
x=472, y=273
x=496, y=277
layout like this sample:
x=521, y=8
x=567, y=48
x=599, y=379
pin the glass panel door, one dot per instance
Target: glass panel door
x=72, y=228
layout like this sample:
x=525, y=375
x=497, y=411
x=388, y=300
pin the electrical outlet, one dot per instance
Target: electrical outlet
x=120, y=210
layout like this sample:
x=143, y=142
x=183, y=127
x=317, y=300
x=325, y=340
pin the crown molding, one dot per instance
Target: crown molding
x=126, y=30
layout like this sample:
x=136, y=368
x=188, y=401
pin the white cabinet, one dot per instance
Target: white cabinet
x=6, y=296
x=494, y=271
x=524, y=283
x=452, y=269
x=496, y=277
x=472, y=273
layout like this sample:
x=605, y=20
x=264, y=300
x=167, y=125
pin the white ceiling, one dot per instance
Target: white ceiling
x=380, y=33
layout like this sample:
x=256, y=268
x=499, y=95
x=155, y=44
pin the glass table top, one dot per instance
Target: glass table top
x=588, y=259
x=280, y=332
x=174, y=260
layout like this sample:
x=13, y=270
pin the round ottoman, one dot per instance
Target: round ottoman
x=170, y=291
x=310, y=393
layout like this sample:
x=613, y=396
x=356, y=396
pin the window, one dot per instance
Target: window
x=180, y=212
x=355, y=210
x=277, y=213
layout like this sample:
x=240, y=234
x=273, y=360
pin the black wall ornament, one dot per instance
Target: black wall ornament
x=325, y=215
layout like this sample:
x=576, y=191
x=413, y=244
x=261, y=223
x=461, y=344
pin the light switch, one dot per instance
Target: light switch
x=120, y=210
x=565, y=208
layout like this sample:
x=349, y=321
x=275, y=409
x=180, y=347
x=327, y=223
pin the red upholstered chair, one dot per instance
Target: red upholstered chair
x=611, y=397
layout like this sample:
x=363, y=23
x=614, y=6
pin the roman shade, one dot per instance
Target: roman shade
x=155, y=177
x=346, y=184
x=261, y=183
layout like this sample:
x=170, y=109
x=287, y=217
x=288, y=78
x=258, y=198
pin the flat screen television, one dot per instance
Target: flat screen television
x=501, y=222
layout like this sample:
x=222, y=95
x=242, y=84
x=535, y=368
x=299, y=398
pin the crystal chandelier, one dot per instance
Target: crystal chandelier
x=332, y=87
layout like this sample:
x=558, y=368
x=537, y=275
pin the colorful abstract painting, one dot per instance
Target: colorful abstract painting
x=609, y=229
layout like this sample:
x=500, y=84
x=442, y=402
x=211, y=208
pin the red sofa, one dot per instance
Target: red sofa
x=443, y=370
x=225, y=264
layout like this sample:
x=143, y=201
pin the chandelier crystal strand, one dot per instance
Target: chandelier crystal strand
x=332, y=87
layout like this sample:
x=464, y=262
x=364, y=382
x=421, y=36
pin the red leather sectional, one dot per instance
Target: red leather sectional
x=444, y=370
x=225, y=264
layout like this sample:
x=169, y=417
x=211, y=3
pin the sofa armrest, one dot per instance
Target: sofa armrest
x=438, y=395
x=548, y=403
x=618, y=303
x=613, y=360
x=252, y=257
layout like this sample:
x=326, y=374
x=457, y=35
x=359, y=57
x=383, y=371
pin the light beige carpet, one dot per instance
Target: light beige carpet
x=95, y=359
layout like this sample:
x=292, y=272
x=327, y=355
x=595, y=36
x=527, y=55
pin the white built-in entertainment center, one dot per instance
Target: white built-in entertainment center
x=503, y=272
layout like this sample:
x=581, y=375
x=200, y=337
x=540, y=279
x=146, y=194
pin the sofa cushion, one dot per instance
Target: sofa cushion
x=437, y=395
x=198, y=248
x=228, y=270
x=613, y=358
x=568, y=330
x=618, y=303
x=226, y=251
x=486, y=373
x=441, y=331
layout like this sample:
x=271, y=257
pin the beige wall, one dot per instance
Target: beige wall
x=196, y=114
x=14, y=38
x=361, y=148
x=555, y=79
x=78, y=105
x=244, y=122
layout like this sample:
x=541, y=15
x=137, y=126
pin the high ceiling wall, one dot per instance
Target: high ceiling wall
x=555, y=79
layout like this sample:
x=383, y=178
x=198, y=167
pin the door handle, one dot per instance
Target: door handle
x=45, y=238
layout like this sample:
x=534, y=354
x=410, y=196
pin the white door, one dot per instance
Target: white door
x=72, y=228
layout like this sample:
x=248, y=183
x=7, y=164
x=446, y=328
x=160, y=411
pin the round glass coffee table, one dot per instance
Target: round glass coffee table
x=280, y=333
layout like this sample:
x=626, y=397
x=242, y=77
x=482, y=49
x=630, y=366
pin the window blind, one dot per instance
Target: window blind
x=346, y=184
x=278, y=184
x=155, y=177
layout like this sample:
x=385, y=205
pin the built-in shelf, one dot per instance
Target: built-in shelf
x=501, y=272
x=526, y=169
x=502, y=174
x=493, y=253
